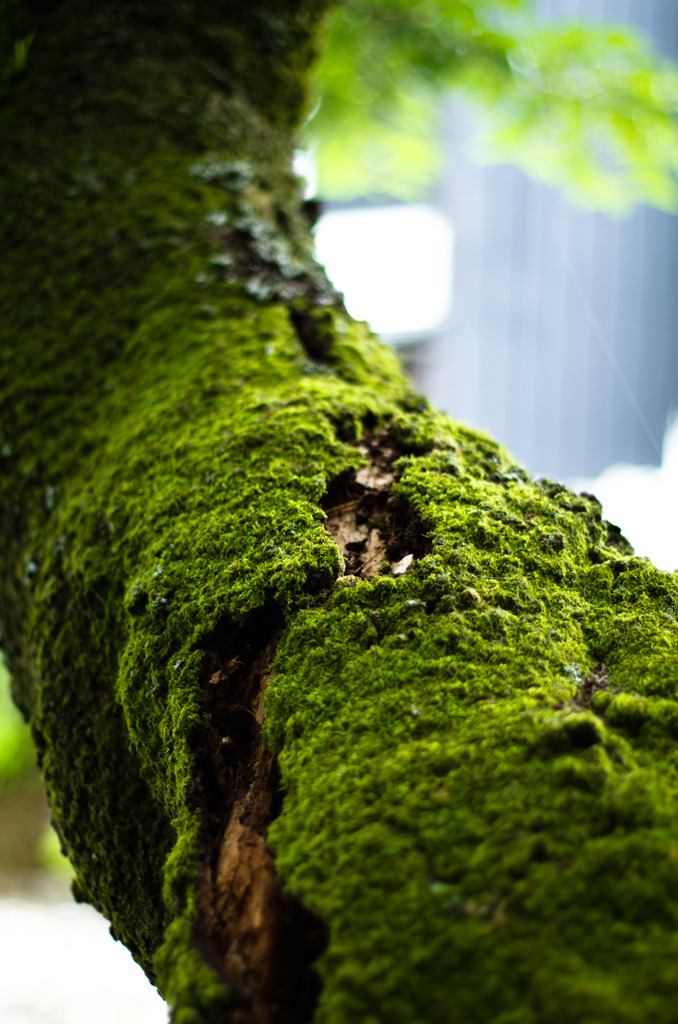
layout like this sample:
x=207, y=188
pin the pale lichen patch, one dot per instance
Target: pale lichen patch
x=401, y=567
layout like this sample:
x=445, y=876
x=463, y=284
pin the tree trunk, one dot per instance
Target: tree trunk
x=341, y=717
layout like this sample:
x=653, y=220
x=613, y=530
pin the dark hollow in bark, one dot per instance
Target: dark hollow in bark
x=369, y=524
x=261, y=940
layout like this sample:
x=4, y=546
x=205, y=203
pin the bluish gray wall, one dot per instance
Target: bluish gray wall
x=562, y=340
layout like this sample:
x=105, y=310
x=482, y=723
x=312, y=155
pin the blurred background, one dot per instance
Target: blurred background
x=550, y=325
x=58, y=963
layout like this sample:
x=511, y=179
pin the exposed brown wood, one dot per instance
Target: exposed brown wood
x=260, y=939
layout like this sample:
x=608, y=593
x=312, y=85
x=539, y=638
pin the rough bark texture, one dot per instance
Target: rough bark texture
x=342, y=718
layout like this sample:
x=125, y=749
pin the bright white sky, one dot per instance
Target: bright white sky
x=393, y=264
x=643, y=501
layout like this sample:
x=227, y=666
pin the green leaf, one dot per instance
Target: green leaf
x=590, y=109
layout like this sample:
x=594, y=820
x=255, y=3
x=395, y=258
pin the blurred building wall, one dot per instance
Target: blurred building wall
x=562, y=339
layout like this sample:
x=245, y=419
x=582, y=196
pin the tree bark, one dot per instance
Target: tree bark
x=341, y=717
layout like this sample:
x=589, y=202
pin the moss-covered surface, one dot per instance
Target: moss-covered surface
x=477, y=756
x=480, y=765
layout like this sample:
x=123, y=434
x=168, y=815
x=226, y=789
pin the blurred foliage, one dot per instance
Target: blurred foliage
x=50, y=856
x=28, y=843
x=17, y=756
x=589, y=108
x=15, y=38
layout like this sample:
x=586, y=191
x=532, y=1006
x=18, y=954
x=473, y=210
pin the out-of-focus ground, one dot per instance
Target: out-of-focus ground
x=58, y=962
x=60, y=966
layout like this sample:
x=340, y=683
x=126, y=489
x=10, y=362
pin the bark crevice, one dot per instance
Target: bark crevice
x=369, y=524
x=262, y=940
x=316, y=339
x=595, y=682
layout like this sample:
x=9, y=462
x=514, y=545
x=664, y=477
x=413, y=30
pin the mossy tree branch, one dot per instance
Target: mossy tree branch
x=214, y=484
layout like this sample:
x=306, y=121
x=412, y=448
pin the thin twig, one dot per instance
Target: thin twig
x=340, y=508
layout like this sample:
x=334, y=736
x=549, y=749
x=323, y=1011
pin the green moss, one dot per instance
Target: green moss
x=478, y=756
x=451, y=807
x=476, y=837
x=164, y=480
